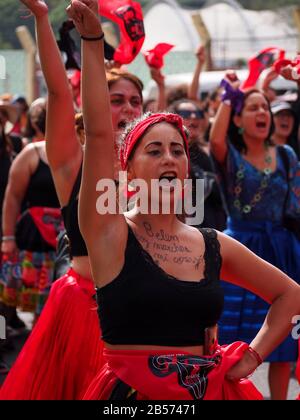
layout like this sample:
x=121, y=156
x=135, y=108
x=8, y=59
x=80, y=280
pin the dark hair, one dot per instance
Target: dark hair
x=131, y=126
x=177, y=92
x=5, y=143
x=234, y=135
x=41, y=123
x=22, y=101
x=79, y=125
x=173, y=107
x=212, y=96
x=148, y=102
x=114, y=75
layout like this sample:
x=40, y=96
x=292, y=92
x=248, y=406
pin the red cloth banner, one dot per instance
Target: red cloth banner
x=154, y=58
x=295, y=64
x=264, y=59
x=128, y=15
x=48, y=221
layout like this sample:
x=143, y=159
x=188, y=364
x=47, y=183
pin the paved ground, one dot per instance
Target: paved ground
x=259, y=378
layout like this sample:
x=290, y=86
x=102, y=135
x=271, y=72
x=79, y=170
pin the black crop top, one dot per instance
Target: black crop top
x=41, y=190
x=70, y=216
x=144, y=305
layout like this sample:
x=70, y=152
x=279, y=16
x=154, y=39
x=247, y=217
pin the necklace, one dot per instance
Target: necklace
x=240, y=175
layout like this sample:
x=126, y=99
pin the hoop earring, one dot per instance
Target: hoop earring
x=130, y=190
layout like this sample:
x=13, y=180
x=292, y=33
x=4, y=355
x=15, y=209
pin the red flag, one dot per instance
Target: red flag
x=280, y=63
x=128, y=15
x=260, y=62
x=154, y=57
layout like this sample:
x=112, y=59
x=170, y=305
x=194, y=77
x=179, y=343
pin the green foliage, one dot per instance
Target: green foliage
x=10, y=15
x=9, y=19
x=267, y=4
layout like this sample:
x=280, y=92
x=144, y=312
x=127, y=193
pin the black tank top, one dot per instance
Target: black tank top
x=41, y=190
x=144, y=305
x=70, y=216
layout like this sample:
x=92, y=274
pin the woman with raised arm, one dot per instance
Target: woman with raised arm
x=157, y=278
x=64, y=351
x=261, y=185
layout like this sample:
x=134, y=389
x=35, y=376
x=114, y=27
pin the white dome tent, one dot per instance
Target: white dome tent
x=236, y=33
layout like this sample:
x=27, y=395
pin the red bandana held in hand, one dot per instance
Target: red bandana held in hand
x=154, y=58
x=295, y=64
x=262, y=61
x=140, y=129
x=128, y=15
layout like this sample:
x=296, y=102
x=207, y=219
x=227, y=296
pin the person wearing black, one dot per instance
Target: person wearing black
x=150, y=357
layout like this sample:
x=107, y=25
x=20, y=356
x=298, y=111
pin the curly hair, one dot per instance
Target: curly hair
x=131, y=126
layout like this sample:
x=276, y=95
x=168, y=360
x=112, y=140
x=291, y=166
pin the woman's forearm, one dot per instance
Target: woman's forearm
x=50, y=59
x=162, y=101
x=193, y=88
x=95, y=94
x=278, y=322
x=11, y=211
x=218, y=133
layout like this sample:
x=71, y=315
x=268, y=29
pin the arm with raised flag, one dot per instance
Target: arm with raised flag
x=101, y=232
x=159, y=79
x=220, y=126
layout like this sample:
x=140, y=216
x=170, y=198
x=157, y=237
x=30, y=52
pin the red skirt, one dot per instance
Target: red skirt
x=64, y=351
x=298, y=368
x=153, y=375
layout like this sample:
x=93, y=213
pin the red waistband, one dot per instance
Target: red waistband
x=179, y=375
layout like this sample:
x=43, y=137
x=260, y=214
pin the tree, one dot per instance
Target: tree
x=10, y=15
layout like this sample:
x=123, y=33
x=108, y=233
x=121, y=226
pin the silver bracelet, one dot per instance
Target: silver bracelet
x=8, y=238
x=227, y=102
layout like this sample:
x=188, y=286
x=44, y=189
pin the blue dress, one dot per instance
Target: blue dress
x=256, y=201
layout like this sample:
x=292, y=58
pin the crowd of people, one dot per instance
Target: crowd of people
x=132, y=305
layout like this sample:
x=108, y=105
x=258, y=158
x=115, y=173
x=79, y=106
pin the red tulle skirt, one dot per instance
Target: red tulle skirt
x=64, y=351
x=298, y=368
x=153, y=375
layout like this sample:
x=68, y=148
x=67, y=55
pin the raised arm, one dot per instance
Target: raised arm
x=268, y=76
x=63, y=149
x=270, y=284
x=220, y=126
x=159, y=79
x=193, y=88
x=101, y=232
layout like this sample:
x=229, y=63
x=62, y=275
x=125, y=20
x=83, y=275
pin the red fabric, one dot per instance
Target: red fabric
x=260, y=62
x=128, y=15
x=75, y=79
x=177, y=376
x=140, y=129
x=280, y=63
x=64, y=351
x=48, y=221
x=155, y=57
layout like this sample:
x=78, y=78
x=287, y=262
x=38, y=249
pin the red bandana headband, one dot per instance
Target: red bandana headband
x=140, y=129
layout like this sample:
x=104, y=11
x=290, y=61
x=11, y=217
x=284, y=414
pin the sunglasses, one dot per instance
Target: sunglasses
x=184, y=113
